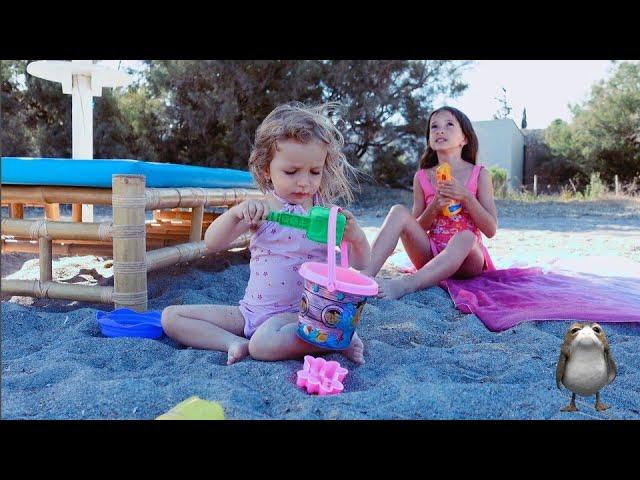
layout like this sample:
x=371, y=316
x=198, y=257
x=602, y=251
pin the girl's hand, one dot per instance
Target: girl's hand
x=441, y=202
x=352, y=231
x=454, y=189
x=253, y=211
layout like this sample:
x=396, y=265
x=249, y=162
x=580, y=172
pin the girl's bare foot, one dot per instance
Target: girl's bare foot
x=237, y=351
x=355, y=351
x=367, y=273
x=391, y=289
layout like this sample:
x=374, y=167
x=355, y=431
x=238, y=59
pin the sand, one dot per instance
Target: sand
x=424, y=359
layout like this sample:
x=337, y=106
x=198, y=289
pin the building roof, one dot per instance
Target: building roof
x=488, y=123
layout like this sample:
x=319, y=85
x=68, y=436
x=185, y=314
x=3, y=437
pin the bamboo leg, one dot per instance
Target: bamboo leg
x=40, y=195
x=66, y=249
x=57, y=230
x=52, y=211
x=185, y=252
x=16, y=210
x=38, y=289
x=46, y=267
x=129, y=242
x=197, y=214
x=87, y=212
x=76, y=212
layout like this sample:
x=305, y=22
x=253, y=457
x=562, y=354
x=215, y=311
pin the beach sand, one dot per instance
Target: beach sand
x=424, y=359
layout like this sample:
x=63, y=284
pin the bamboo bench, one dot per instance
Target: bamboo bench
x=135, y=246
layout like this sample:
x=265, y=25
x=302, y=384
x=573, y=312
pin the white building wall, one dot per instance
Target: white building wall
x=501, y=144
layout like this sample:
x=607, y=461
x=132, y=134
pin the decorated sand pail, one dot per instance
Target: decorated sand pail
x=333, y=297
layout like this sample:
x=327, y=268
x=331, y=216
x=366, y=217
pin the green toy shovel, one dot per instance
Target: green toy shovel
x=315, y=223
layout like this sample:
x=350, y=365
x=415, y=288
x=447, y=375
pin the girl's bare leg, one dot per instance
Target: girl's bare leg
x=462, y=255
x=211, y=327
x=276, y=339
x=399, y=224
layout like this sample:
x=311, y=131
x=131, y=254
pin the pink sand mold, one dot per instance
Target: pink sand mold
x=321, y=377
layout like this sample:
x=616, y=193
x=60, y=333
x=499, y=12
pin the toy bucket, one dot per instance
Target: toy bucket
x=333, y=297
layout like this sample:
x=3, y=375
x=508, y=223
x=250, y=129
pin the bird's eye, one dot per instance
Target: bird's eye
x=575, y=330
x=596, y=329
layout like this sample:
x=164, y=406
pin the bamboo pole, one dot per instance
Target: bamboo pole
x=129, y=248
x=194, y=197
x=49, y=194
x=62, y=249
x=16, y=210
x=27, y=204
x=56, y=230
x=52, y=211
x=67, y=291
x=76, y=212
x=87, y=247
x=156, y=197
x=46, y=266
x=197, y=215
x=168, y=256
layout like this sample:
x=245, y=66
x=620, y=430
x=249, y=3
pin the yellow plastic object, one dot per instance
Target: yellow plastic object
x=194, y=408
x=443, y=174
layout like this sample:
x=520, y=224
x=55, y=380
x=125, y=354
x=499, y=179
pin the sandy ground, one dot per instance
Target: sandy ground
x=424, y=358
x=532, y=233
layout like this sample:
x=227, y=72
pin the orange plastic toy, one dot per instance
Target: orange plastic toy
x=443, y=173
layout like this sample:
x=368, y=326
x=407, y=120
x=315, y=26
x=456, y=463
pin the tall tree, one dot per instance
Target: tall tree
x=206, y=112
x=387, y=102
x=16, y=139
x=214, y=107
x=386, y=108
x=504, y=110
x=602, y=136
x=49, y=116
x=523, y=123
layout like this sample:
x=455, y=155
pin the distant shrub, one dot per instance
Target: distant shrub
x=499, y=180
x=596, y=188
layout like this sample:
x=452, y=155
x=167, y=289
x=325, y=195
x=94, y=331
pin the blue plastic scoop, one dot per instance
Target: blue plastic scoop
x=124, y=322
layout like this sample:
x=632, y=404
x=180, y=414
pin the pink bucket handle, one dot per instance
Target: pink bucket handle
x=331, y=249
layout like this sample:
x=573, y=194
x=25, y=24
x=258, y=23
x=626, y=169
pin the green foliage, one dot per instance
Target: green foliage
x=504, y=111
x=499, y=180
x=605, y=132
x=560, y=138
x=205, y=112
x=387, y=103
x=210, y=109
x=15, y=138
x=391, y=168
x=596, y=188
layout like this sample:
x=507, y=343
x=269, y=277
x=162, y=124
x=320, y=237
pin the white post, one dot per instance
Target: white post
x=535, y=185
x=617, y=186
x=83, y=80
x=82, y=121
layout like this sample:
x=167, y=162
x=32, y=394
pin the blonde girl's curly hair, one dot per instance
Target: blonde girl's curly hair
x=295, y=121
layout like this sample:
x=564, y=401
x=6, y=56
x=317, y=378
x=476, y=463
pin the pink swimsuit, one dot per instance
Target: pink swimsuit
x=443, y=228
x=275, y=286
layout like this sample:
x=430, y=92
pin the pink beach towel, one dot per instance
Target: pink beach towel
x=505, y=298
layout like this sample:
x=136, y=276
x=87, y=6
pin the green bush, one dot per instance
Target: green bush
x=390, y=168
x=596, y=187
x=499, y=180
